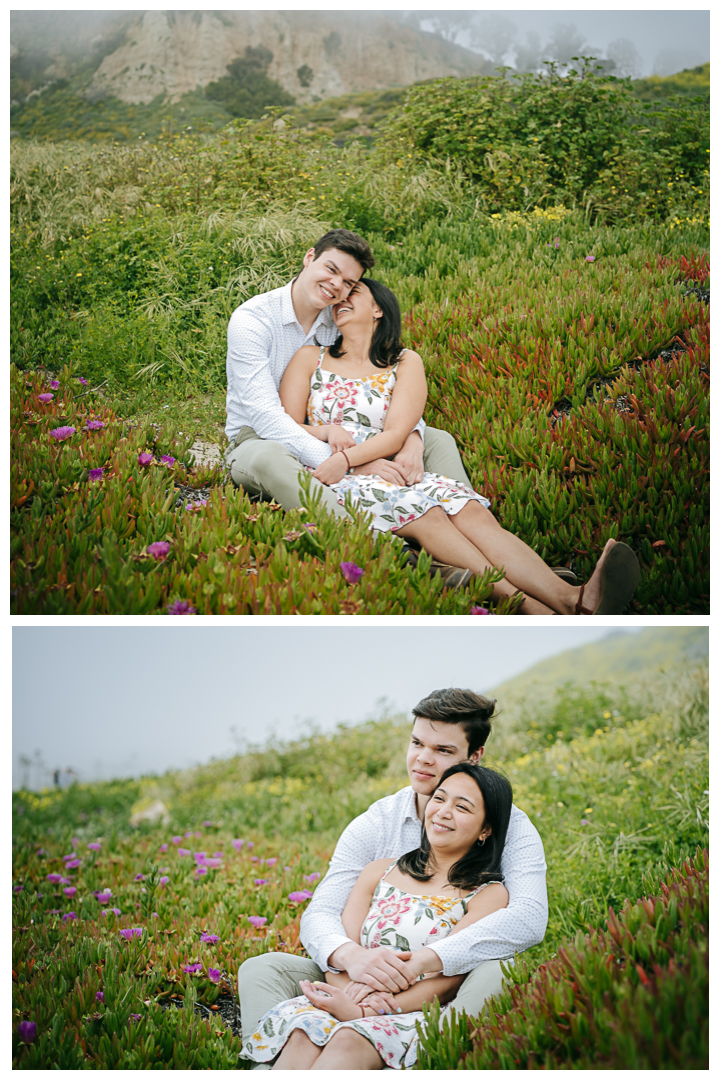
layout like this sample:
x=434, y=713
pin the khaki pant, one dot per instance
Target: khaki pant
x=266, y=468
x=264, y=981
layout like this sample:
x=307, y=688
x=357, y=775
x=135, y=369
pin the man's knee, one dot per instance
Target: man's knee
x=442, y=439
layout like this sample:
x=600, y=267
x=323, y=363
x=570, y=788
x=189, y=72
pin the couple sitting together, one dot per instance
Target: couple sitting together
x=426, y=892
x=319, y=380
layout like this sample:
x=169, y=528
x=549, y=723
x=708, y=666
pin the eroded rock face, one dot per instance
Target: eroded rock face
x=315, y=54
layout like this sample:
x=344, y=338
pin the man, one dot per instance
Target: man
x=450, y=726
x=268, y=449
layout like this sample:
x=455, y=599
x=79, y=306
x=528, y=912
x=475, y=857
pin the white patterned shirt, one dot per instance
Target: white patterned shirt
x=389, y=828
x=263, y=336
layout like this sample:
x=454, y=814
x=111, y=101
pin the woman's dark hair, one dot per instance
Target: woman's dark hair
x=481, y=864
x=386, y=345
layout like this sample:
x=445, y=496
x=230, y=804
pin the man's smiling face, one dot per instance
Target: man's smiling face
x=329, y=278
x=434, y=747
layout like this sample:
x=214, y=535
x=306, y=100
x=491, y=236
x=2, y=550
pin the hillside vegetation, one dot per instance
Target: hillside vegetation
x=614, y=775
x=552, y=269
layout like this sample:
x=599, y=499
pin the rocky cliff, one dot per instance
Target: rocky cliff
x=316, y=54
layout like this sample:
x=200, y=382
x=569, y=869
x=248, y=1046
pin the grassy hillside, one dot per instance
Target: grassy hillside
x=690, y=82
x=615, y=778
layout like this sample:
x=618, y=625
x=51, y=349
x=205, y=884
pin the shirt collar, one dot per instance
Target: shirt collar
x=324, y=317
x=410, y=806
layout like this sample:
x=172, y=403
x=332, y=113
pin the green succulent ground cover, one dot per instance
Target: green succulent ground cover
x=540, y=326
x=614, y=776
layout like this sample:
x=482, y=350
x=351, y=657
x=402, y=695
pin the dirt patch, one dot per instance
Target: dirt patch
x=206, y=453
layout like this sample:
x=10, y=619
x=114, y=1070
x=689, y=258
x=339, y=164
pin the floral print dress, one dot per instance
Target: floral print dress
x=360, y=406
x=398, y=920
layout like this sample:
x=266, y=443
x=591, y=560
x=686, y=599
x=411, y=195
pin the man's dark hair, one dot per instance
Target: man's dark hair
x=386, y=345
x=481, y=864
x=472, y=711
x=350, y=243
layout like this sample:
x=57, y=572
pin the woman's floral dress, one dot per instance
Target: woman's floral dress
x=360, y=406
x=398, y=920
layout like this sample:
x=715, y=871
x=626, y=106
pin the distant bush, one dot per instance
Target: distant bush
x=247, y=90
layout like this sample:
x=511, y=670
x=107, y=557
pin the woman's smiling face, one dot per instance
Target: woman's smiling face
x=360, y=307
x=455, y=815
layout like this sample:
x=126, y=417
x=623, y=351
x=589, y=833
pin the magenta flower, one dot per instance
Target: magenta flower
x=287, y=867
x=211, y=939
x=589, y=258
x=237, y=844
x=167, y=460
x=311, y=526
x=584, y=821
x=132, y=932
x=258, y=921
x=112, y=911
x=208, y=824
x=479, y=611
x=351, y=572
x=103, y=896
x=184, y=851
x=139, y=877
x=95, y=474
x=82, y=381
x=55, y=384
x=315, y=876
x=251, y=843
x=299, y=897
x=95, y=425
x=200, y=870
x=99, y=996
x=55, y=878
x=199, y=856
x=163, y=848
x=75, y=842
x=270, y=862
x=159, y=549
x=133, y=1018
x=213, y=864
x=177, y=840
x=70, y=891
x=45, y=398
x=196, y=505
x=144, y=459
x=61, y=433
x=254, y=858
x=190, y=833
x=70, y=915
x=217, y=855
x=19, y=888
x=192, y=969
x=164, y=880
x=214, y=975
x=27, y=1030
x=94, y=847
x=260, y=881
x=73, y=864
x=181, y=607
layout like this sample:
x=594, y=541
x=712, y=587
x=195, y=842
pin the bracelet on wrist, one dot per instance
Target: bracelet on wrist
x=349, y=469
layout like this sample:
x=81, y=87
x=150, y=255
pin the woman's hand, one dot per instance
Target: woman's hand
x=338, y=438
x=332, y=469
x=331, y=1000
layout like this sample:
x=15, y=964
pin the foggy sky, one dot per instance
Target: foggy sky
x=121, y=701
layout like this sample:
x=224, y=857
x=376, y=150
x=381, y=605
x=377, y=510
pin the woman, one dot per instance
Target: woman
x=450, y=881
x=363, y=396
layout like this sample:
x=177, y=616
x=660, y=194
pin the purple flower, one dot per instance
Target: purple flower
x=270, y=862
x=181, y=607
x=95, y=474
x=139, y=877
x=479, y=611
x=55, y=384
x=164, y=880
x=237, y=844
x=254, y=858
x=217, y=855
x=315, y=876
x=70, y=891
x=113, y=910
x=184, y=851
x=73, y=864
x=213, y=864
x=144, y=459
x=287, y=867
x=199, y=856
x=208, y=824
x=192, y=969
x=61, y=433
x=70, y=915
x=196, y=505
x=214, y=975
x=103, y=896
x=211, y=939
x=54, y=911
x=351, y=572
x=159, y=549
x=27, y=1030
x=200, y=870
x=133, y=1018
x=95, y=425
x=187, y=834
x=94, y=847
x=163, y=848
x=260, y=881
x=75, y=842
x=45, y=398
x=299, y=897
x=251, y=843
x=311, y=526
x=99, y=996
x=19, y=888
x=177, y=840
x=133, y=932
x=584, y=821
x=589, y=258
x=56, y=878
x=82, y=381
x=155, y=915
x=167, y=460
x=257, y=921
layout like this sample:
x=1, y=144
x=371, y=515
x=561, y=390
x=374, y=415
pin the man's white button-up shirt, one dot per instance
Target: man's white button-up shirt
x=263, y=336
x=391, y=827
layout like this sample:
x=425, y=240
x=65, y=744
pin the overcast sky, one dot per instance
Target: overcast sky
x=121, y=701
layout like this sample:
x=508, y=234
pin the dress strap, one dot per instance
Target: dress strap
x=390, y=867
x=320, y=357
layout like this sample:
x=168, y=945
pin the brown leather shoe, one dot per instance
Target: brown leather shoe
x=454, y=577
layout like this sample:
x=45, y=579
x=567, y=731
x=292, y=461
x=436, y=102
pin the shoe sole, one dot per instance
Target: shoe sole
x=619, y=579
x=565, y=573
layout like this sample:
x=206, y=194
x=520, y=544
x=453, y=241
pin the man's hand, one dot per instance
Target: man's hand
x=423, y=962
x=380, y=969
x=409, y=460
x=385, y=469
x=331, y=470
x=339, y=438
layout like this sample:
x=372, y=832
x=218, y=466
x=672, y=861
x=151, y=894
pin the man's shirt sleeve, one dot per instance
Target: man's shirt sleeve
x=321, y=928
x=518, y=926
x=251, y=383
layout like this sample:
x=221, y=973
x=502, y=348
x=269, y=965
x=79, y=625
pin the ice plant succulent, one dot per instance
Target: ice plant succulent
x=351, y=572
x=214, y=975
x=192, y=969
x=95, y=474
x=181, y=607
x=144, y=459
x=159, y=549
x=479, y=611
x=211, y=939
x=95, y=425
x=27, y=1030
x=60, y=433
x=258, y=921
x=45, y=398
x=131, y=932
